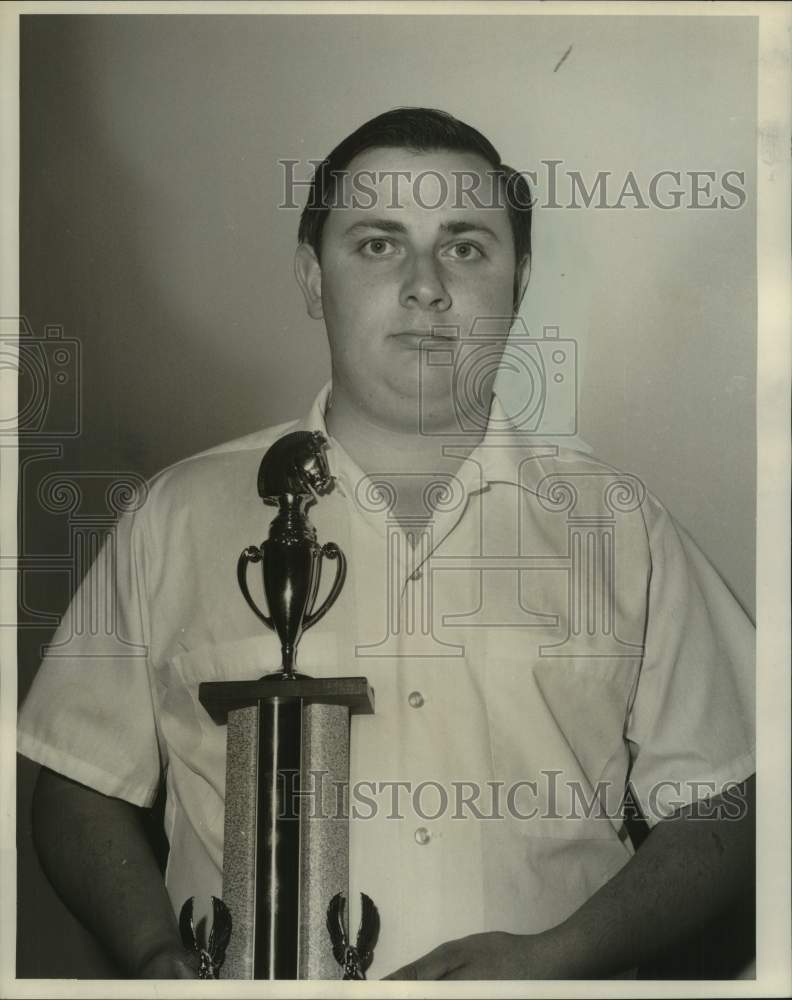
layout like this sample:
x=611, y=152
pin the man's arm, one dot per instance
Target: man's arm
x=95, y=852
x=684, y=874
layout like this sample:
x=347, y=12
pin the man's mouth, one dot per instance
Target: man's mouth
x=423, y=339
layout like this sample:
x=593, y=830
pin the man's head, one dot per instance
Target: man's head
x=421, y=130
x=415, y=233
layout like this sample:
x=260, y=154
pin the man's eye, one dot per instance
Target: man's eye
x=465, y=251
x=377, y=247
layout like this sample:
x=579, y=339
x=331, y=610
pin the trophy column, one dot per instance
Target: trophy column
x=286, y=853
x=286, y=846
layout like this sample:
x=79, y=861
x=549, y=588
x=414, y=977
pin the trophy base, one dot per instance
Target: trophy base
x=279, y=922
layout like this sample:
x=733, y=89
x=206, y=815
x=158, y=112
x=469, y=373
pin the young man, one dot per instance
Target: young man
x=538, y=631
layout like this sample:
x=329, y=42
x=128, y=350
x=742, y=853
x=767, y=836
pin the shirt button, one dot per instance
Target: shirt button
x=422, y=836
x=415, y=699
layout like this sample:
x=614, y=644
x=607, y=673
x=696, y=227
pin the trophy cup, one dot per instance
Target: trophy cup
x=285, y=875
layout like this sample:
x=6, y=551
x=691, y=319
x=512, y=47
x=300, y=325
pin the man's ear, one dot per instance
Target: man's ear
x=524, y=276
x=308, y=273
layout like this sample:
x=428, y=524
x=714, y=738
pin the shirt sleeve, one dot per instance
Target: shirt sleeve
x=89, y=714
x=691, y=727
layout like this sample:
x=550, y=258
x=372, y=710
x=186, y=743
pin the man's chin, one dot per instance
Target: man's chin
x=437, y=416
x=416, y=411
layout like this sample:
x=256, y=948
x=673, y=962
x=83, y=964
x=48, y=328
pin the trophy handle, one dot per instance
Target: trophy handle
x=249, y=555
x=331, y=551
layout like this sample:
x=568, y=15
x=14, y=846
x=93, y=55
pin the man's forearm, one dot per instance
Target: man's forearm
x=685, y=873
x=95, y=853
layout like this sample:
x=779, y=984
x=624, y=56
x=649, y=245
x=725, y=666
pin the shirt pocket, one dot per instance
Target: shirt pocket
x=557, y=737
x=188, y=730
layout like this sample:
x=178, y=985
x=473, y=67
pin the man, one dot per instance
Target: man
x=537, y=630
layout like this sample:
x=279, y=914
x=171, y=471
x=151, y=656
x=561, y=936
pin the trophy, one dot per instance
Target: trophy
x=286, y=875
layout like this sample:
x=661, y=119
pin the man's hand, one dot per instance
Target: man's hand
x=494, y=955
x=169, y=963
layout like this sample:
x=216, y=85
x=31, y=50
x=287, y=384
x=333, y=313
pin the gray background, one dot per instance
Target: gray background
x=150, y=232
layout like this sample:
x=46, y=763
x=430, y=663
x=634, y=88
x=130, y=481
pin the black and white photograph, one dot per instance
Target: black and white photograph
x=395, y=526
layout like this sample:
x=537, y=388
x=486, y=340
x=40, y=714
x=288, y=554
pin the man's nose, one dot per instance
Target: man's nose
x=423, y=285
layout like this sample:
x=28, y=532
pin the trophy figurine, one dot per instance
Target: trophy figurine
x=292, y=474
x=285, y=875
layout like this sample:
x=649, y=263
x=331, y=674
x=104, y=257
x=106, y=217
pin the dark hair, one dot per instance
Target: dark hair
x=419, y=130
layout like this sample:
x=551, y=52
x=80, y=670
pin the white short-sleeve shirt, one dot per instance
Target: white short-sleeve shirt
x=548, y=636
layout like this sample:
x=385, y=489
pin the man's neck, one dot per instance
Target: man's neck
x=377, y=448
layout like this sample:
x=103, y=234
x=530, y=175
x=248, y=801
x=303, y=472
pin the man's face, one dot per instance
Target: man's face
x=402, y=263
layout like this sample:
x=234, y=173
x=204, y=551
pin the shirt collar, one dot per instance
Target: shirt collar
x=508, y=455
x=343, y=469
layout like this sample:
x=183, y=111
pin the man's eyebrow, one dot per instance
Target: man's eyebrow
x=456, y=228
x=453, y=228
x=385, y=225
